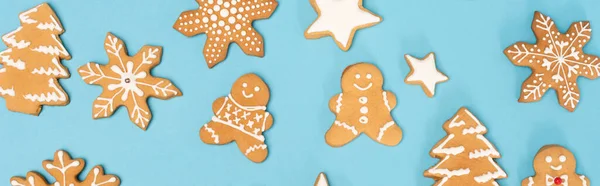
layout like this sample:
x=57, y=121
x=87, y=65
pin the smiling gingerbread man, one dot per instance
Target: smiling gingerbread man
x=241, y=117
x=555, y=165
x=363, y=106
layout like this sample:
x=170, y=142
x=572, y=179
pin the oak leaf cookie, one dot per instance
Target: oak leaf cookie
x=241, y=117
x=30, y=66
x=224, y=22
x=555, y=165
x=321, y=180
x=424, y=72
x=340, y=19
x=467, y=156
x=66, y=171
x=363, y=106
x=126, y=81
x=556, y=61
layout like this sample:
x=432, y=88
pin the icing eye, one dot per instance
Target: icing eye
x=548, y=159
x=357, y=76
x=562, y=158
x=244, y=85
x=369, y=76
x=256, y=88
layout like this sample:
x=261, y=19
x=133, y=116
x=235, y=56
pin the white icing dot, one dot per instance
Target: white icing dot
x=214, y=25
x=369, y=76
x=226, y=4
x=205, y=19
x=258, y=49
x=363, y=100
x=227, y=27
x=233, y=10
x=220, y=2
x=197, y=20
x=238, y=26
x=243, y=32
x=247, y=38
x=244, y=85
x=217, y=8
x=224, y=13
x=562, y=158
x=357, y=76
x=256, y=88
x=363, y=119
x=548, y=159
x=210, y=1
x=221, y=23
x=231, y=20
x=210, y=11
x=364, y=109
x=219, y=31
x=217, y=39
x=213, y=17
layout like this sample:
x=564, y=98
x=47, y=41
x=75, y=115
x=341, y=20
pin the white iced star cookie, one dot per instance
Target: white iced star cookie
x=424, y=72
x=321, y=180
x=340, y=19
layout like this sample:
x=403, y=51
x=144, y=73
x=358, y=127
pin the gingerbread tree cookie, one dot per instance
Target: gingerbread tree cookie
x=241, y=117
x=556, y=61
x=224, y=22
x=555, y=165
x=363, y=106
x=30, y=67
x=66, y=170
x=127, y=81
x=467, y=156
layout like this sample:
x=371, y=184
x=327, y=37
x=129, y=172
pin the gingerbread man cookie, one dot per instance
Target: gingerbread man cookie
x=555, y=165
x=241, y=117
x=363, y=106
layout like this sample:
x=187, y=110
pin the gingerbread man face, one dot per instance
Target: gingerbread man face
x=554, y=159
x=361, y=77
x=250, y=90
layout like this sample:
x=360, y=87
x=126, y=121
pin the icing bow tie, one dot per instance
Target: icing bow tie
x=552, y=181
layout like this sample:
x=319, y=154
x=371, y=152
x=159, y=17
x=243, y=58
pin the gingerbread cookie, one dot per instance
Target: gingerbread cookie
x=556, y=61
x=321, y=180
x=224, y=22
x=467, y=156
x=66, y=172
x=340, y=19
x=30, y=67
x=363, y=106
x=423, y=72
x=126, y=81
x=555, y=165
x=241, y=117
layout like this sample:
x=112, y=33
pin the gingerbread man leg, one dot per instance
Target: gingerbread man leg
x=388, y=134
x=216, y=133
x=340, y=134
x=254, y=149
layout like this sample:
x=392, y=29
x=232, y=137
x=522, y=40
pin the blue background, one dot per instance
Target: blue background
x=468, y=37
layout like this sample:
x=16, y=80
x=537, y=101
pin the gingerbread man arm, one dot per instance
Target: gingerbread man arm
x=586, y=179
x=333, y=102
x=268, y=121
x=527, y=181
x=218, y=104
x=390, y=99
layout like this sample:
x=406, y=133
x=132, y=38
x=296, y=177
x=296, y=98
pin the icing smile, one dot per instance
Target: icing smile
x=247, y=95
x=556, y=168
x=363, y=89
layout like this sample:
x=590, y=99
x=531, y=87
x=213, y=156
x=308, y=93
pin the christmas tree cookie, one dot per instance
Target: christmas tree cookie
x=555, y=165
x=126, y=81
x=556, y=61
x=467, y=156
x=30, y=67
x=66, y=172
x=241, y=117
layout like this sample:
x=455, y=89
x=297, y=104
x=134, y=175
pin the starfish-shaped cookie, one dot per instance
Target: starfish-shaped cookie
x=423, y=72
x=127, y=81
x=224, y=22
x=340, y=19
x=556, y=60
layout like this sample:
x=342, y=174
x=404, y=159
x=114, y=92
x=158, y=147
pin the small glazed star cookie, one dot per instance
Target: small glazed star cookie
x=555, y=165
x=340, y=19
x=126, y=81
x=556, y=61
x=224, y=22
x=423, y=72
x=321, y=180
x=241, y=117
x=363, y=106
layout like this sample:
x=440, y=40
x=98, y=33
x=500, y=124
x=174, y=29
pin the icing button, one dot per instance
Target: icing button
x=363, y=119
x=363, y=100
x=364, y=109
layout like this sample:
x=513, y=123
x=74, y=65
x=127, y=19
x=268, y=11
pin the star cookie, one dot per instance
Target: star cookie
x=556, y=61
x=340, y=19
x=126, y=81
x=423, y=72
x=321, y=180
x=224, y=22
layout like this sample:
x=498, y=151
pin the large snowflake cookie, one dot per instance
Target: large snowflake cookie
x=224, y=22
x=467, y=156
x=556, y=61
x=363, y=106
x=424, y=72
x=340, y=19
x=127, y=81
x=555, y=165
x=30, y=66
x=241, y=117
x=321, y=180
x=66, y=172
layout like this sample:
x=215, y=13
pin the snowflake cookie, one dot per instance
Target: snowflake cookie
x=423, y=72
x=224, y=22
x=321, y=180
x=363, y=106
x=30, y=66
x=555, y=165
x=241, y=117
x=340, y=19
x=556, y=61
x=66, y=171
x=467, y=156
x=127, y=81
